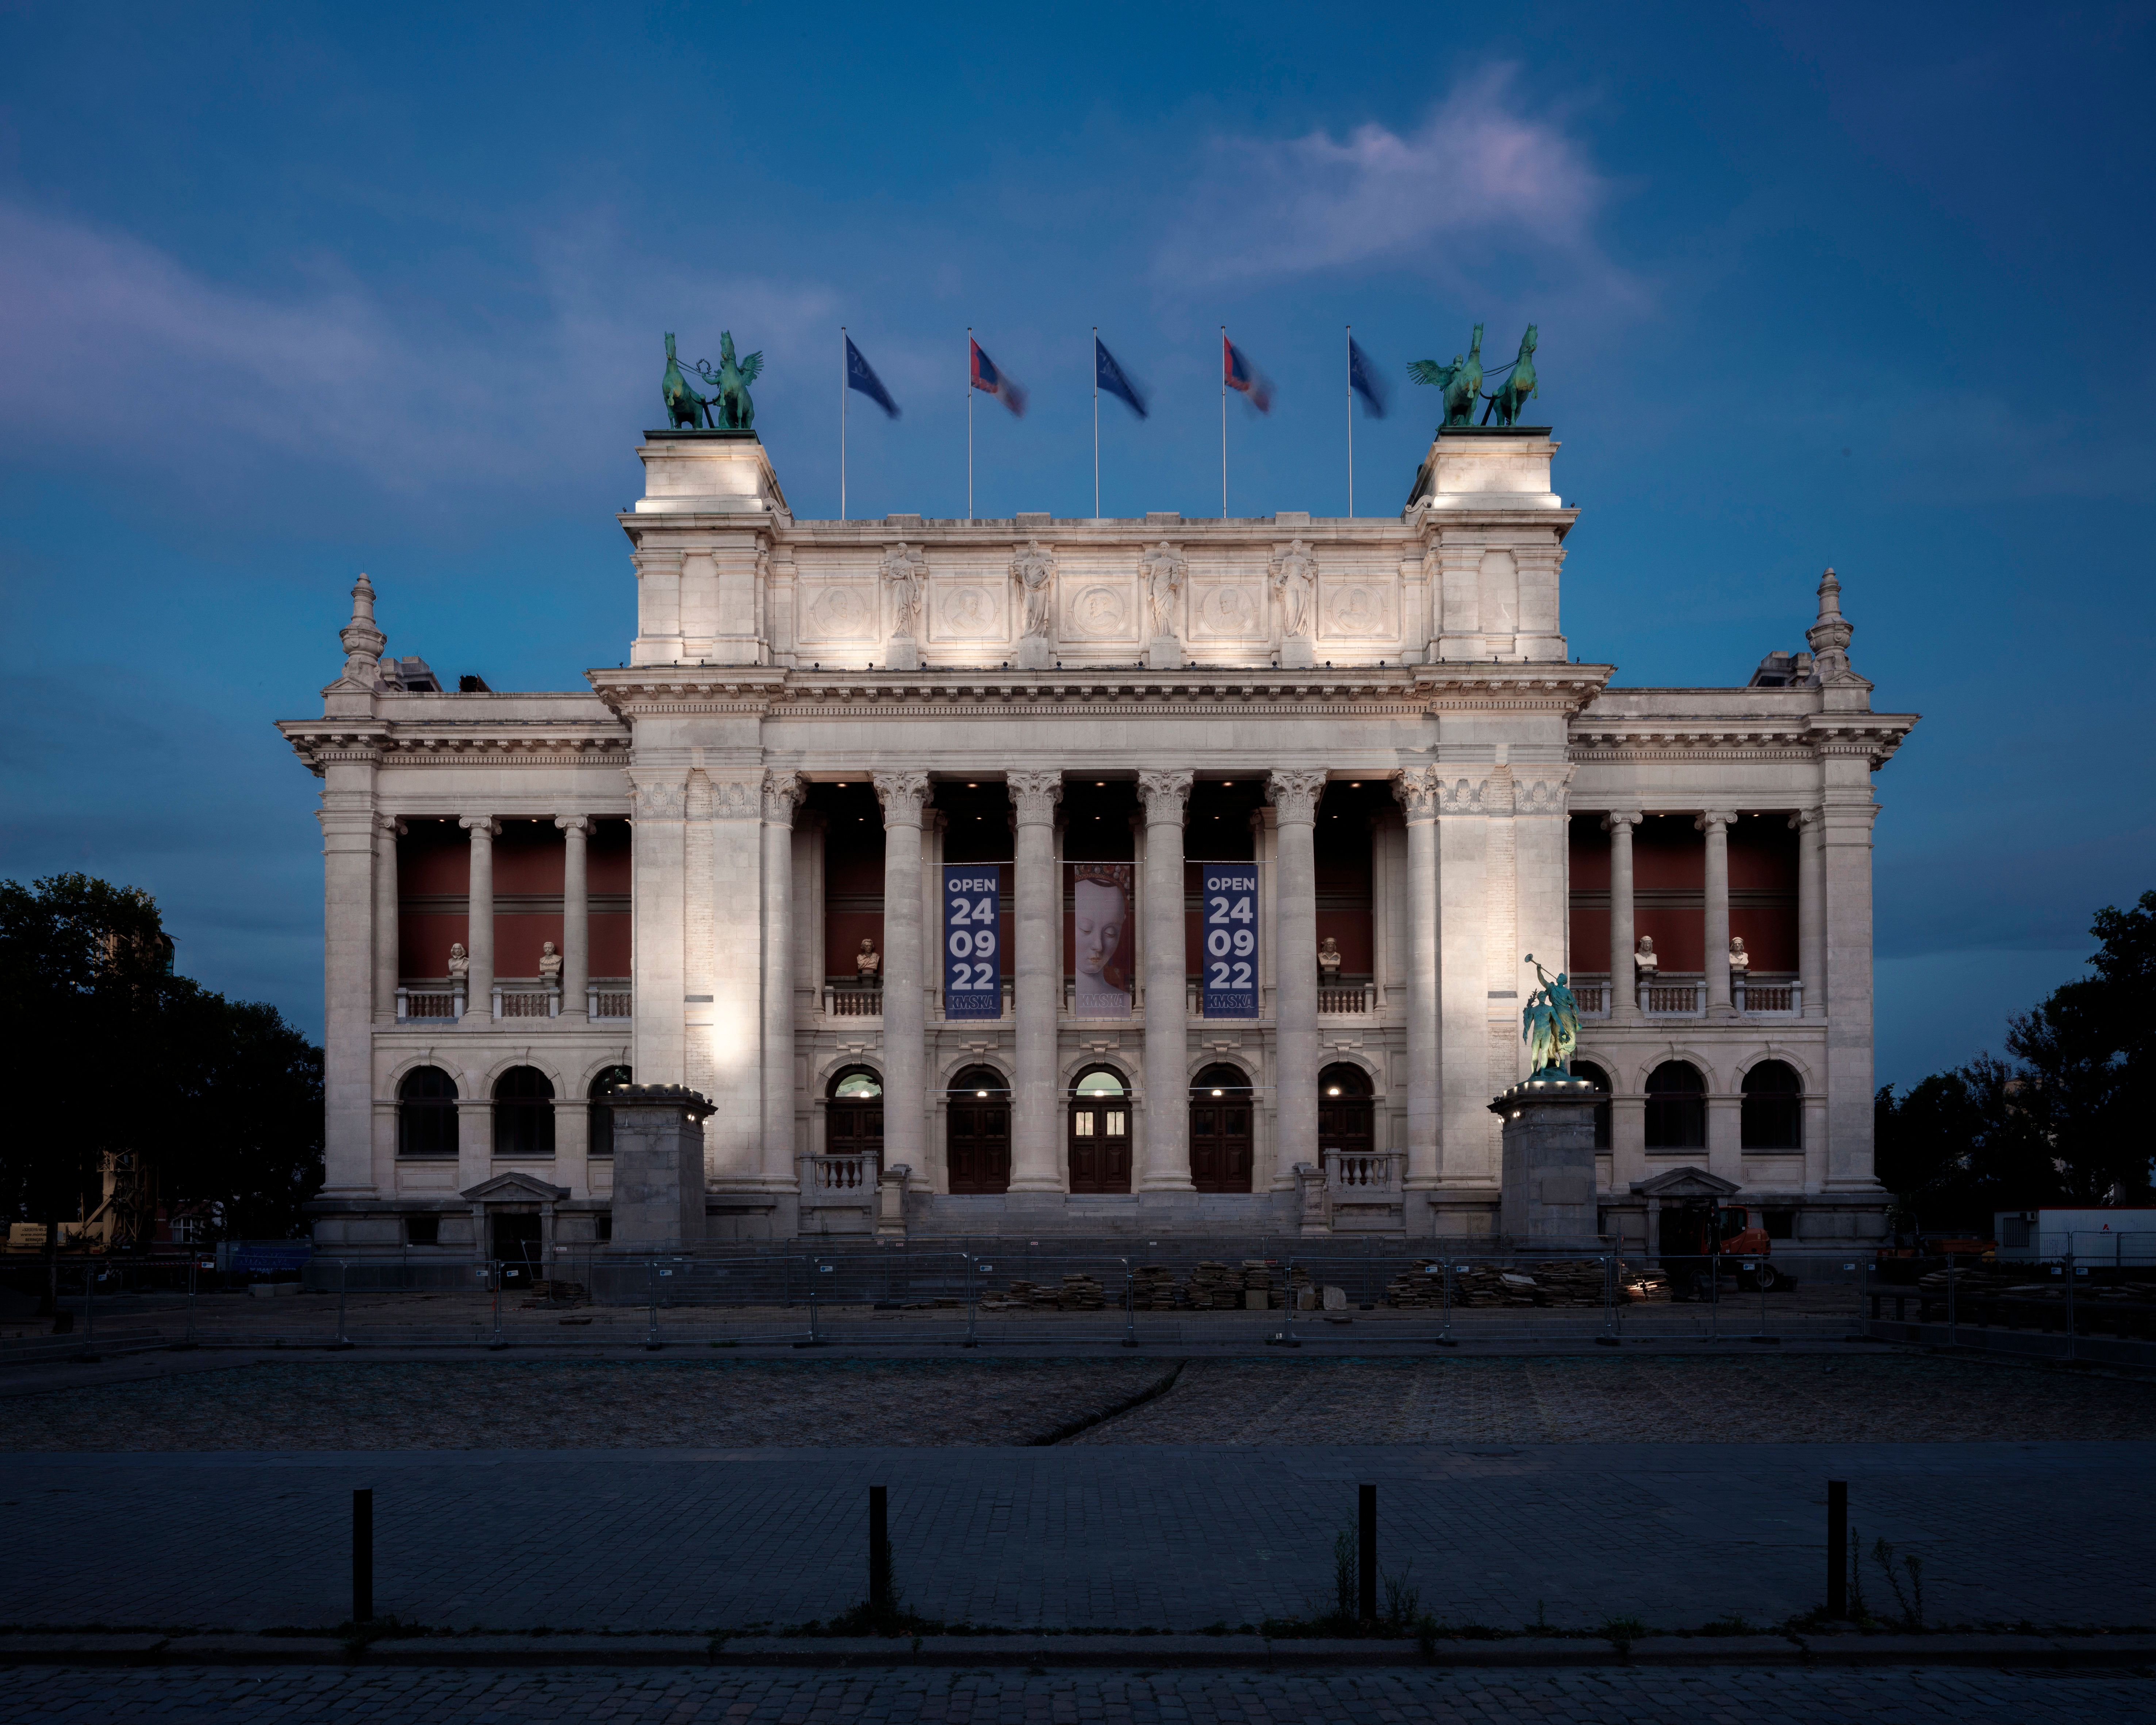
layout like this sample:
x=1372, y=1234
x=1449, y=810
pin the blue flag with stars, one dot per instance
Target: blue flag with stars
x=1364, y=378
x=1113, y=381
x=862, y=375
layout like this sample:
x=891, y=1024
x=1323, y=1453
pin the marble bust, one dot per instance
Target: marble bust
x=1646, y=962
x=550, y=962
x=868, y=963
x=1328, y=960
x=460, y=960
x=1740, y=960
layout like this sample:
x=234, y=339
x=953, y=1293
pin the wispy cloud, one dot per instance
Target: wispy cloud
x=1478, y=174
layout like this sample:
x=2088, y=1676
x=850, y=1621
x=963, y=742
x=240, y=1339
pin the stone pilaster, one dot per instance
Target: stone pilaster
x=782, y=794
x=1295, y=796
x=1846, y=871
x=735, y=1131
x=1167, y=1165
x=387, y=829
x=575, y=914
x=904, y=1053
x=1716, y=825
x=1416, y=789
x=1811, y=917
x=658, y=807
x=1464, y=1128
x=1623, y=995
x=479, y=929
x=1037, y=1163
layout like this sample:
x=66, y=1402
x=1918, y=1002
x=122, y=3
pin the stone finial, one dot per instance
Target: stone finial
x=1830, y=636
x=362, y=641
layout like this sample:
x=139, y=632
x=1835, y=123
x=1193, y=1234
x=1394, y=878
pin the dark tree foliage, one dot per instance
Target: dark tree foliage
x=2065, y=1123
x=110, y=1053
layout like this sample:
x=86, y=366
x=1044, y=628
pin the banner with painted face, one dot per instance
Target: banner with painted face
x=972, y=950
x=1100, y=938
x=1230, y=925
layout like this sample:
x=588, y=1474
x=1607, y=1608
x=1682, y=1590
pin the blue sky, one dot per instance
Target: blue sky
x=292, y=292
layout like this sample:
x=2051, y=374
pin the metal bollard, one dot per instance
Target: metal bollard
x=1953, y=1323
x=1366, y=1550
x=879, y=1549
x=192, y=1262
x=2071, y=1339
x=362, y=1555
x=973, y=1302
x=1288, y=1337
x=1130, y=1305
x=343, y=1340
x=1837, y=1547
x=651, y=1290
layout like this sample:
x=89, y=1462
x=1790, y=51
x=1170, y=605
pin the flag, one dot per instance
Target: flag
x=1365, y=380
x=1109, y=376
x=1237, y=372
x=862, y=375
x=990, y=381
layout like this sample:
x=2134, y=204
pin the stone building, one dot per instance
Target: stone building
x=724, y=866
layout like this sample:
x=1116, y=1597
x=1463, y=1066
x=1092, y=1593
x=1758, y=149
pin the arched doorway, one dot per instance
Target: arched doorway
x=1221, y=1148
x=853, y=1123
x=977, y=1140
x=1100, y=1131
x=1346, y=1114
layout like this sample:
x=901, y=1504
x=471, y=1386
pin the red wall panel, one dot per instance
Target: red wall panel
x=610, y=942
x=423, y=943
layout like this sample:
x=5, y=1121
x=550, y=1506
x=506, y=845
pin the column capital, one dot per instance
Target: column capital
x=1709, y=819
x=1804, y=818
x=902, y=796
x=658, y=794
x=782, y=794
x=1625, y=818
x=1034, y=796
x=390, y=825
x=1294, y=795
x=476, y=824
x=1415, y=789
x=1165, y=793
x=574, y=823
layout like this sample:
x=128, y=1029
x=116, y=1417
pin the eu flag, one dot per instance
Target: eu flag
x=1364, y=380
x=1237, y=373
x=862, y=375
x=1109, y=377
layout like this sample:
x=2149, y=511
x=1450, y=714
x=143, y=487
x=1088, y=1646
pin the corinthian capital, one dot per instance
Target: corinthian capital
x=1165, y=793
x=902, y=795
x=1034, y=796
x=1295, y=794
x=782, y=794
x=1415, y=789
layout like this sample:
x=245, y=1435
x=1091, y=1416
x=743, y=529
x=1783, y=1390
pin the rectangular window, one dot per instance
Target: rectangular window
x=1780, y=1224
x=605, y=1220
x=423, y=1230
x=1082, y=1124
x=1115, y=1128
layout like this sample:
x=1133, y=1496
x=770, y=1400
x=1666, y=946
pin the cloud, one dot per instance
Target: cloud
x=1476, y=174
x=111, y=344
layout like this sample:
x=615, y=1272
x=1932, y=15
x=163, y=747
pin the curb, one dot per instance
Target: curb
x=1149, y=1652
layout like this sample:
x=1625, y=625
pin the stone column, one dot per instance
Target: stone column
x=1294, y=796
x=1416, y=788
x=387, y=829
x=478, y=927
x=1845, y=879
x=1811, y=918
x=575, y=914
x=1623, y=995
x=1037, y=1163
x=1715, y=826
x=1167, y=1165
x=905, y=1054
x=782, y=794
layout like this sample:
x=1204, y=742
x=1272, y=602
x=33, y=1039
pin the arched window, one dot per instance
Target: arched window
x=1600, y=1079
x=1345, y=1116
x=600, y=1115
x=977, y=1144
x=427, y=1114
x=523, y=1113
x=1221, y=1146
x=1676, y=1107
x=853, y=1117
x=1773, y=1107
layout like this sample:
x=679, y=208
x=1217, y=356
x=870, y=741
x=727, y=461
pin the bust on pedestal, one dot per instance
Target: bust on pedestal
x=1546, y=1187
x=868, y=966
x=657, y=1167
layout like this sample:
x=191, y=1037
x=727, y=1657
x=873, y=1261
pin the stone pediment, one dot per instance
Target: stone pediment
x=1686, y=1183
x=514, y=1189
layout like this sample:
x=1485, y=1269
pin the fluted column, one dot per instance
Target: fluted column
x=1417, y=790
x=1623, y=995
x=905, y=1054
x=1037, y=1163
x=1811, y=912
x=1715, y=826
x=1294, y=796
x=576, y=913
x=1167, y=965
x=478, y=927
x=387, y=829
x=782, y=794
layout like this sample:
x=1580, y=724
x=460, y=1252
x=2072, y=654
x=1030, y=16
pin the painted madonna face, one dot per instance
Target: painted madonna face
x=1099, y=910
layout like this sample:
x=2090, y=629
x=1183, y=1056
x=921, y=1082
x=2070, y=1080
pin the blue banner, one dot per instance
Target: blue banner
x=972, y=943
x=1231, y=941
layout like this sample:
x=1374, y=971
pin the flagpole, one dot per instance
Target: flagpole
x=1096, y=422
x=1223, y=422
x=969, y=422
x=1351, y=422
x=842, y=422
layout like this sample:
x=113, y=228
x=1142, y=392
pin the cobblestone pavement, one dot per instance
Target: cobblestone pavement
x=1168, y=1536
x=1785, y=1697
x=639, y=1402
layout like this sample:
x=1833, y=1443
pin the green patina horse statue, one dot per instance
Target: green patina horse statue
x=684, y=405
x=1461, y=381
x=1518, y=385
x=735, y=412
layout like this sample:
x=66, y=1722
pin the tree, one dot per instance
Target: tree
x=1959, y=1146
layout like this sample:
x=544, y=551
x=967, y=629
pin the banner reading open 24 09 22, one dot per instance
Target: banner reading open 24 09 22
x=1231, y=941
x=972, y=957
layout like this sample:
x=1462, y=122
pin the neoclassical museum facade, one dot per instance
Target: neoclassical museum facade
x=1091, y=877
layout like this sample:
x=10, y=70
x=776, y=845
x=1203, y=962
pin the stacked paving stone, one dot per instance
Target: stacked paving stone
x=1258, y=1279
x=1155, y=1289
x=1486, y=1285
x=1076, y=1292
x=1300, y=1279
x=1214, y=1287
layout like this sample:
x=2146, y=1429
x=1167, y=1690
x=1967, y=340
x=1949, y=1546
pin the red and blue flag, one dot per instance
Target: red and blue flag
x=991, y=382
x=1237, y=373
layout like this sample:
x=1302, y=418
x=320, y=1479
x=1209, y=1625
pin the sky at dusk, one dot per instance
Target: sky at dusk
x=289, y=293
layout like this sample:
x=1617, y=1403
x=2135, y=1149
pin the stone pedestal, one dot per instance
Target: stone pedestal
x=1035, y=653
x=657, y=1167
x=902, y=656
x=1298, y=654
x=891, y=1202
x=1547, y=1183
x=1164, y=654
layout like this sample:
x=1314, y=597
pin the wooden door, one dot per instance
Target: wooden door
x=1222, y=1150
x=977, y=1142
x=1100, y=1142
x=855, y=1128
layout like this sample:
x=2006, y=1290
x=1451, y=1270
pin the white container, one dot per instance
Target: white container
x=2121, y=1237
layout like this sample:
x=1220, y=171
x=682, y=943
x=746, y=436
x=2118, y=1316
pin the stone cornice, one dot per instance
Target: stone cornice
x=462, y=743
x=1871, y=736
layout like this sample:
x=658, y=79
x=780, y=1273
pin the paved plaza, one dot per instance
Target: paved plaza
x=1487, y=1697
